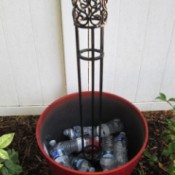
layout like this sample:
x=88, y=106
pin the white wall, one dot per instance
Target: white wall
x=31, y=56
x=139, y=53
x=139, y=50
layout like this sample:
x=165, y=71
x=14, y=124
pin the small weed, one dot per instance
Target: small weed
x=170, y=101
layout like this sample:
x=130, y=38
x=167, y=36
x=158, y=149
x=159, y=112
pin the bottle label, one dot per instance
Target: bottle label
x=77, y=163
x=120, y=138
x=57, y=153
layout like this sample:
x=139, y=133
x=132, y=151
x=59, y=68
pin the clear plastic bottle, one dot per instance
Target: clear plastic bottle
x=87, y=130
x=75, y=132
x=120, y=149
x=71, y=134
x=107, y=161
x=82, y=165
x=111, y=127
x=75, y=145
x=58, y=154
x=107, y=129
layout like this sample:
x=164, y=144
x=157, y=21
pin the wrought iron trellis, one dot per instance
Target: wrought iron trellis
x=90, y=15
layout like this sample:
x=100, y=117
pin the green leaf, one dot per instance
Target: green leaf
x=165, y=152
x=1, y=165
x=4, y=171
x=147, y=154
x=162, y=97
x=172, y=157
x=166, y=131
x=154, y=158
x=171, y=170
x=170, y=137
x=171, y=148
x=171, y=125
x=12, y=167
x=13, y=155
x=6, y=139
x=4, y=154
x=172, y=99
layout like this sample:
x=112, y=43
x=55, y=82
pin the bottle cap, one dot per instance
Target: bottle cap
x=52, y=143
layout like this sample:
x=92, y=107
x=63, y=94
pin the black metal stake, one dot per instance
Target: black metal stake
x=101, y=81
x=93, y=84
x=79, y=84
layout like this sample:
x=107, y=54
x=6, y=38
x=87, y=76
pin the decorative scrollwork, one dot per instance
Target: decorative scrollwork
x=89, y=13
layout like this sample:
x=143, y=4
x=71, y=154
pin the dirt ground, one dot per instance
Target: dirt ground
x=33, y=162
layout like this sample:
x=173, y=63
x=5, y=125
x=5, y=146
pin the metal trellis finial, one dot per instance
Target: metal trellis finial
x=89, y=13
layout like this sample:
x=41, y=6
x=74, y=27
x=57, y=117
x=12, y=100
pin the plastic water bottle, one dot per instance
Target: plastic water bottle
x=107, y=129
x=58, y=154
x=107, y=161
x=71, y=133
x=75, y=145
x=110, y=127
x=82, y=165
x=75, y=132
x=87, y=130
x=120, y=149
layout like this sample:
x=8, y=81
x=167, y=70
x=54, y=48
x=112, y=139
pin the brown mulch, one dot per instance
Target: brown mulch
x=33, y=162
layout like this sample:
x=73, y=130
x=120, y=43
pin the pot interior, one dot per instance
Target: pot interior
x=65, y=114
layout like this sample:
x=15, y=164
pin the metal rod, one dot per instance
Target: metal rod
x=101, y=81
x=79, y=85
x=93, y=87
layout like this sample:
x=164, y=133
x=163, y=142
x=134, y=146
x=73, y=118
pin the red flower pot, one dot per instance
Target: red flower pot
x=64, y=113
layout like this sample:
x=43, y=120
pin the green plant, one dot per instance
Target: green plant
x=152, y=158
x=8, y=157
x=170, y=101
x=169, y=150
x=168, y=137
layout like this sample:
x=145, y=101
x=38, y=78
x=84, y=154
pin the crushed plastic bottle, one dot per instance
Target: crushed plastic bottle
x=75, y=132
x=81, y=164
x=71, y=133
x=113, y=153
x=120, y=149
x=107, y=161
x=107, y=129
x=111, y=127
x=58, y=154
x=75, y=145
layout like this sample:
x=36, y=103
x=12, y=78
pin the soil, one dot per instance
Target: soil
x=33, y=162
